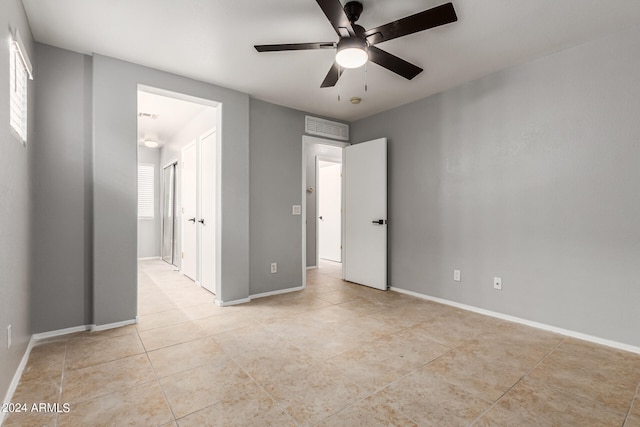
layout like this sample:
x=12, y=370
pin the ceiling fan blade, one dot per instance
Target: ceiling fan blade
x=332, y=76
x=439, y=15
x=334, y=11
x=393, y=63
x=294, y=46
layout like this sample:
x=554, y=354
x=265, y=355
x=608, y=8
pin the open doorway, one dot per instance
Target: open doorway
x=183, y=230
x=322, y=185
x=329, y=209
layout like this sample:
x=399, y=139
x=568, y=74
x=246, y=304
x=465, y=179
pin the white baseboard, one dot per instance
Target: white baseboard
x=312, y=267
x=544, y=326
x=50, y=334
x=254, y=296
x=92, y=327
x=149, y=258
x=114, y=325
x=60, y=332
x=278, y=292
x=220, y=303
x=16, y=377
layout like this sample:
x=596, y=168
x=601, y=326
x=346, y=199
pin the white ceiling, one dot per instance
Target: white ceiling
x=171, y=114
x=212, y=41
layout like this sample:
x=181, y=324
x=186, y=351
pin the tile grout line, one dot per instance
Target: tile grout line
x=146, y=352
x=579, y=396
x=633, y=400
x=393, y=382
x=64, y=364
x=321, y=362
x=517, y=382
x=318, y=361
x=275, y=401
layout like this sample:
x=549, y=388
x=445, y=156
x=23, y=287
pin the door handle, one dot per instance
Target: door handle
x=201, y=221
x=193, y=220
x=379, y=221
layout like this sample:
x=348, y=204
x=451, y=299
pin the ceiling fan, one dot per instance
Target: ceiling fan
x=356, y=45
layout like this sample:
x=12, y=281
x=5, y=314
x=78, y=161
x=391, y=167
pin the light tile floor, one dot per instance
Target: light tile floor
x=336, y=354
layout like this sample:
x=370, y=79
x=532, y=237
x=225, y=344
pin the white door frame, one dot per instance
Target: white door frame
x=182, y=220
x=317, y=192
x=306, y=140
x=199, y=230
x=218, y=202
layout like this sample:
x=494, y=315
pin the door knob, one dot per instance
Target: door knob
x=201, y=221
x=193, y=220
x=379, y=221
x=321, y=218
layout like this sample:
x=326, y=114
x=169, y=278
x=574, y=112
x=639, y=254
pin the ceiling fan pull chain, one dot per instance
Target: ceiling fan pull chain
x=339, y=84
x=365, y=77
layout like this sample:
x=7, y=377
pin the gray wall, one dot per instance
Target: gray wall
x=114, y=106
x=327, y=152
x=15, y=207
x=276, y=185
x=61, y=190
x=149, y=229
x=531, y=174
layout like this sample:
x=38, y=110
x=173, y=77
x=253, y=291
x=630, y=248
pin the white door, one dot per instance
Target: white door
x=189, y=211
x=365, y=186
x=207, y=221
x=329, y=210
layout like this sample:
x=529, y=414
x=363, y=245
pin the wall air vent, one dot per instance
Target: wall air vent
x=326, y=128
x=148, y=116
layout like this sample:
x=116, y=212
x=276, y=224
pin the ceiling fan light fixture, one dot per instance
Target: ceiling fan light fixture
x=352, y=52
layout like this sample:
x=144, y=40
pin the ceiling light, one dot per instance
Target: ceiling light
x=356, y=100
x=352, y=52
x=151, y=144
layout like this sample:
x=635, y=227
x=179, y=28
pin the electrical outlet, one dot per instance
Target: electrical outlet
x=274, y=267
x=296, y=210
x=456, y=275
x=9, y=337
x=497, y=283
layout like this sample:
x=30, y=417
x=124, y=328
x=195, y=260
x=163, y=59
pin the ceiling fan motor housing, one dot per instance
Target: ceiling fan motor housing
x=352, y=42
x=353, y=9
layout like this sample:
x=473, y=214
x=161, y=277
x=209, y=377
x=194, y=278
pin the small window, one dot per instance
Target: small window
x=19, y=74
x=146, y=184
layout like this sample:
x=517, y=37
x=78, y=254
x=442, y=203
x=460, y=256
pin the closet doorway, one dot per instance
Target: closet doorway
x=199, y=190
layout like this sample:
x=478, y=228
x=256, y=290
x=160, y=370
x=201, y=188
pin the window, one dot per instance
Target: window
x=146, y=202
x=19, y=73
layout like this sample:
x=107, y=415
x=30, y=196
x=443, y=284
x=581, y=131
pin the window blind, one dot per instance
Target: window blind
x=18, y=77
x=146, y=202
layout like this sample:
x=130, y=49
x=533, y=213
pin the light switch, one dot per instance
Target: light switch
x=296, y=210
